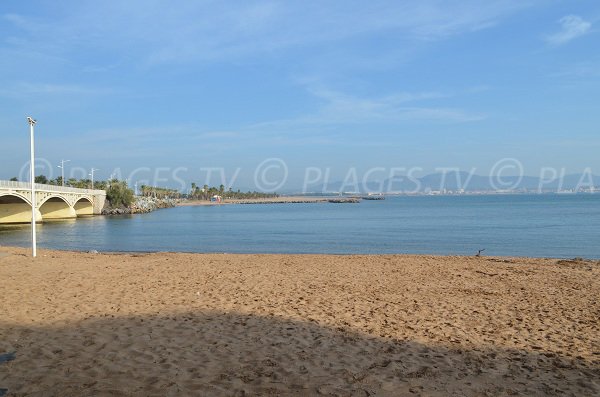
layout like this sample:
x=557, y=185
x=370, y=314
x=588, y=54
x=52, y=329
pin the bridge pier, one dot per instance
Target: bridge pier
x=84, y=208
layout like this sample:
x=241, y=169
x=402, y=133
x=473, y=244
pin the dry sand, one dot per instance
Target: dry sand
x=185, y=324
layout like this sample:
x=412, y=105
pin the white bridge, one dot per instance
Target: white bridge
x=52, y=202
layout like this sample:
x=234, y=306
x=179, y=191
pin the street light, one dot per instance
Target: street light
x=62, y=170
x=32, y=177
x=92, y=175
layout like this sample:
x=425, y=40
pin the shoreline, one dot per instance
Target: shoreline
x=580, y=260
x=41, y=250
x=273, y=324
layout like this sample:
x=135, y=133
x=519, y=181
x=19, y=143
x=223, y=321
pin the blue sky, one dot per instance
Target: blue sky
x=339, y=84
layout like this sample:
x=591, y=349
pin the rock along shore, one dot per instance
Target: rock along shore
x=297, y=201
x=141, y=205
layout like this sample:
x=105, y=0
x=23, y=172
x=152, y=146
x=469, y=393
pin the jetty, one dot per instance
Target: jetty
x=276, y=200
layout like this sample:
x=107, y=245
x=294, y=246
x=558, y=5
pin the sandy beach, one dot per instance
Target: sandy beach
x=299, y=325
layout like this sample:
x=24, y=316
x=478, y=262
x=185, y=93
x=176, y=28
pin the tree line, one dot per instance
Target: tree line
x=207, y=192
x=159, y=192
x=119, y=193
x=71, y=182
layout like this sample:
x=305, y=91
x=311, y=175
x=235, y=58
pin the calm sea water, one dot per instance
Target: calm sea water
x=520, y=225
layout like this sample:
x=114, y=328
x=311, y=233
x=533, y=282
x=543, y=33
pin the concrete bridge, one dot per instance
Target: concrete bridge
x=52, y=202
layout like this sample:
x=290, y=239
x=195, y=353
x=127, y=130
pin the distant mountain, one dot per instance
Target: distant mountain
x=456, y=181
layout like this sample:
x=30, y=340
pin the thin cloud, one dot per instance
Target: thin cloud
x=340, y=109
x=26, y=89
x=258, y=29
x=32, y=88
x=159, y=34
x=579, y=70
x=572, y=27
x=218, y=135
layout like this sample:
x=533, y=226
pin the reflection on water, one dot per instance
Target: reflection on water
x=528, y=225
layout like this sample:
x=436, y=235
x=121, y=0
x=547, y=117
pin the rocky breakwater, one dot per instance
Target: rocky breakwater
x=141, y=205
x=295, y=200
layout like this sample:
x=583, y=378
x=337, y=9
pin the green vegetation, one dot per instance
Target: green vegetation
x=206, y=192
x=40, y=179
x=158, y=192
x=118, y=194
x=72, y=182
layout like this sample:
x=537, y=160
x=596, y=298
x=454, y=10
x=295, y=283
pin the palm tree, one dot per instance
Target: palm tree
x=41, y=179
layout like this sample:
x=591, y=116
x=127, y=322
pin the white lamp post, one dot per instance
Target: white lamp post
x=32, y=177
x=92, y=175
x=62, y=170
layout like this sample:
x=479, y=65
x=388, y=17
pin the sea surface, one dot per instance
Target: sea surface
x=561, y=226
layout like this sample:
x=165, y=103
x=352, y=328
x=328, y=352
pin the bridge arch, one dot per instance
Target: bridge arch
x=84, y=207
x=42, y=198
x=15, y=208
x=15, y=194
x=56, y=207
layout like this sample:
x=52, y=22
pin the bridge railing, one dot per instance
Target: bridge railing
x=52, y=188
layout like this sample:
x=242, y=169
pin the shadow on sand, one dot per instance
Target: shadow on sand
x=236, y=354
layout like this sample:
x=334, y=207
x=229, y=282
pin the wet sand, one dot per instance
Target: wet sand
x=298, y=325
